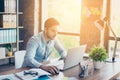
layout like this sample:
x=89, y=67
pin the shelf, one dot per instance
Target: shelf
x=10, y=35
x=20, y=41
x=20, y=27
x=7, y=57
x=11, y=28
x=11, y=13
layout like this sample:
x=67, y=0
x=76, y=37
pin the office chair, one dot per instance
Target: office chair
x=19, y=58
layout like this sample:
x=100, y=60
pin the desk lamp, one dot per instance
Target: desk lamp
x=101, y=24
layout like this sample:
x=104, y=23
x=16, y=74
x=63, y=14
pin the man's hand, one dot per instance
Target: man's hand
x=52, y=69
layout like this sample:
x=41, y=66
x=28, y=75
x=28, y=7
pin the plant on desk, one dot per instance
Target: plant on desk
x=98, y=54
x=9, y=48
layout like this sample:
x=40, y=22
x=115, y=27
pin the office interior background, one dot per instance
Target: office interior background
x=77, y=19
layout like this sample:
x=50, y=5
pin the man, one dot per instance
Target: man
x=39, y=47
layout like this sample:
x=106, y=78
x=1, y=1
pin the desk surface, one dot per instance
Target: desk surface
x=107, y=71
x=116, y=77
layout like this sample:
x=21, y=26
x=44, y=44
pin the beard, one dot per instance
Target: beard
x=51, y=37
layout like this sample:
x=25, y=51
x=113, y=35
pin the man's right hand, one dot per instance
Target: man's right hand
x=52, y=69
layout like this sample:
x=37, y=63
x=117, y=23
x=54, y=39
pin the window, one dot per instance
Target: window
x=115, y=24
x=67, y=12
x=68, y=42
x=36, y=17
x=115, y=16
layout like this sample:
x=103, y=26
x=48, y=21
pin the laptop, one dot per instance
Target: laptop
x=74, y=56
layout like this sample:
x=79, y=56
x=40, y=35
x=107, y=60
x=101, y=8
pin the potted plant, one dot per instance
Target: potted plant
x=98, y=54
x=9, y=48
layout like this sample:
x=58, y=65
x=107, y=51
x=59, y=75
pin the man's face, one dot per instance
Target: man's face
x=51, y=32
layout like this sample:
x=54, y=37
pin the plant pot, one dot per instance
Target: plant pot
x=9, y=54
x=97, y=64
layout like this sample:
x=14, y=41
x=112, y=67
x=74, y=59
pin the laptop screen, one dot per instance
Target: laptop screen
x=74, y=56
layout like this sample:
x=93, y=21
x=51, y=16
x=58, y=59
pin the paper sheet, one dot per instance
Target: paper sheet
x=8, y=77
x=62, y=77
x=29, y=76
x=58, y=63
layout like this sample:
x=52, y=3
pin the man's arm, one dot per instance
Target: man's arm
x=58, y=46
x=32, y=45
x=53, y=69
x=31, y=51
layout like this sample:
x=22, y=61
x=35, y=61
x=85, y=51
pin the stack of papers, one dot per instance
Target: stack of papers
x=58, y=63
x=41, y=73
x=31, y=77
x=62, y=77
x=8, y=77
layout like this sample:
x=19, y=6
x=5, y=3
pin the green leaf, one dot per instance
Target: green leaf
x=98, y=53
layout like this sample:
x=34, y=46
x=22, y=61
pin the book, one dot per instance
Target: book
x=61, y=76
x=1, y=21
x=8, y=77
x=1, y=5
x=8, y=21
x=2, y=52
x=9, y=5
x=44, y=77
x=1, y=36
x=27, y=74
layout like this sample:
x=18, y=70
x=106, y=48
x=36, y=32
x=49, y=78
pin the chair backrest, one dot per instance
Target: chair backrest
x=19, y=58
